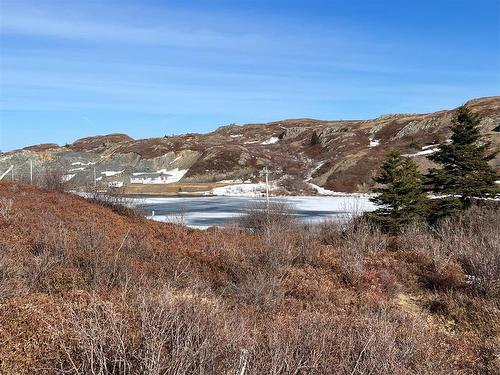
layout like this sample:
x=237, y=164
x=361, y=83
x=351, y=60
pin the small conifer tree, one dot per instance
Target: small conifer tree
x=465, y=173
x=314, y=139
x=401, y=199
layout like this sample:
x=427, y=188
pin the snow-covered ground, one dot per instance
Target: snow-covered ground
x=321, y=190
x=426, y=150
x=317, y=167
x=270, y=141
x=242, y=190
x=430, y=146
x=163, y=176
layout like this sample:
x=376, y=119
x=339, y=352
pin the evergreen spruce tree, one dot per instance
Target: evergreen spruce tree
x=402, y=199
x=465, y=172
x=314, y=139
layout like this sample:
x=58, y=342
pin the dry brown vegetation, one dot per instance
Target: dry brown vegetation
x=85, y=289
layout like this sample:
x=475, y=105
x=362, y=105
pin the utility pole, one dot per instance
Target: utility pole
x=31, y=171
x=95, y=179
x=12, y=174
x=266, y=171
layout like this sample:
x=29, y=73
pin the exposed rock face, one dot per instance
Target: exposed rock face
x=292, y=132
x=346, y=158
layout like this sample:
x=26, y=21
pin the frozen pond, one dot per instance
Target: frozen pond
x=204, y=212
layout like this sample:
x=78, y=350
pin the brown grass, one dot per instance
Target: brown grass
x=84, y=289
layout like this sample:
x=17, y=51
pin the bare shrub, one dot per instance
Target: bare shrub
x=117, y=201
x=95, y=339
x=261, y=288
x=260, y=216
x=54, y=177
x=186, y=334
x=172, y=333
x=307, y=248
x=351, y=263
x=474, y=239
x=100, y=262
x=440, y=270
x=254, y=275
x=12, y=273
x=364, y=236
x=352, y=241
x=5, y=208
x=469, y=241
x=356, y=233
x=417, y=237
x=49, y=251
x=91, y=253
x=179, y=217
x=373, y=341
x=177, y=333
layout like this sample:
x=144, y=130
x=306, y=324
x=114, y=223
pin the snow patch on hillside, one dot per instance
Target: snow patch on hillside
x=173, y=175
x=243, y=190
x=424, y=152
x=270, y=141
x=320, y=190
x=163, y=176
x=430, y=146
x=317, y=167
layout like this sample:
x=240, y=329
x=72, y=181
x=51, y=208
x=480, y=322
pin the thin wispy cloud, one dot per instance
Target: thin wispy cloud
x=205, y=64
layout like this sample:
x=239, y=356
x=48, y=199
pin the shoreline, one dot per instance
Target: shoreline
x=197, y=195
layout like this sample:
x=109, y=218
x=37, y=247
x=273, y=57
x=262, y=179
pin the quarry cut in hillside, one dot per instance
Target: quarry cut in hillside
x=304, y=156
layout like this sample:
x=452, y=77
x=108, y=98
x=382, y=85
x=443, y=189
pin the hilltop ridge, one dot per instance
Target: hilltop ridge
x=344, y=159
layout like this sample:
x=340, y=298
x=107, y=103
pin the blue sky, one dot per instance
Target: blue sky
x=70, y=69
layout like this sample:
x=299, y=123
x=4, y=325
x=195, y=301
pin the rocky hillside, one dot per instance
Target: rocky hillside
x=335, y=155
